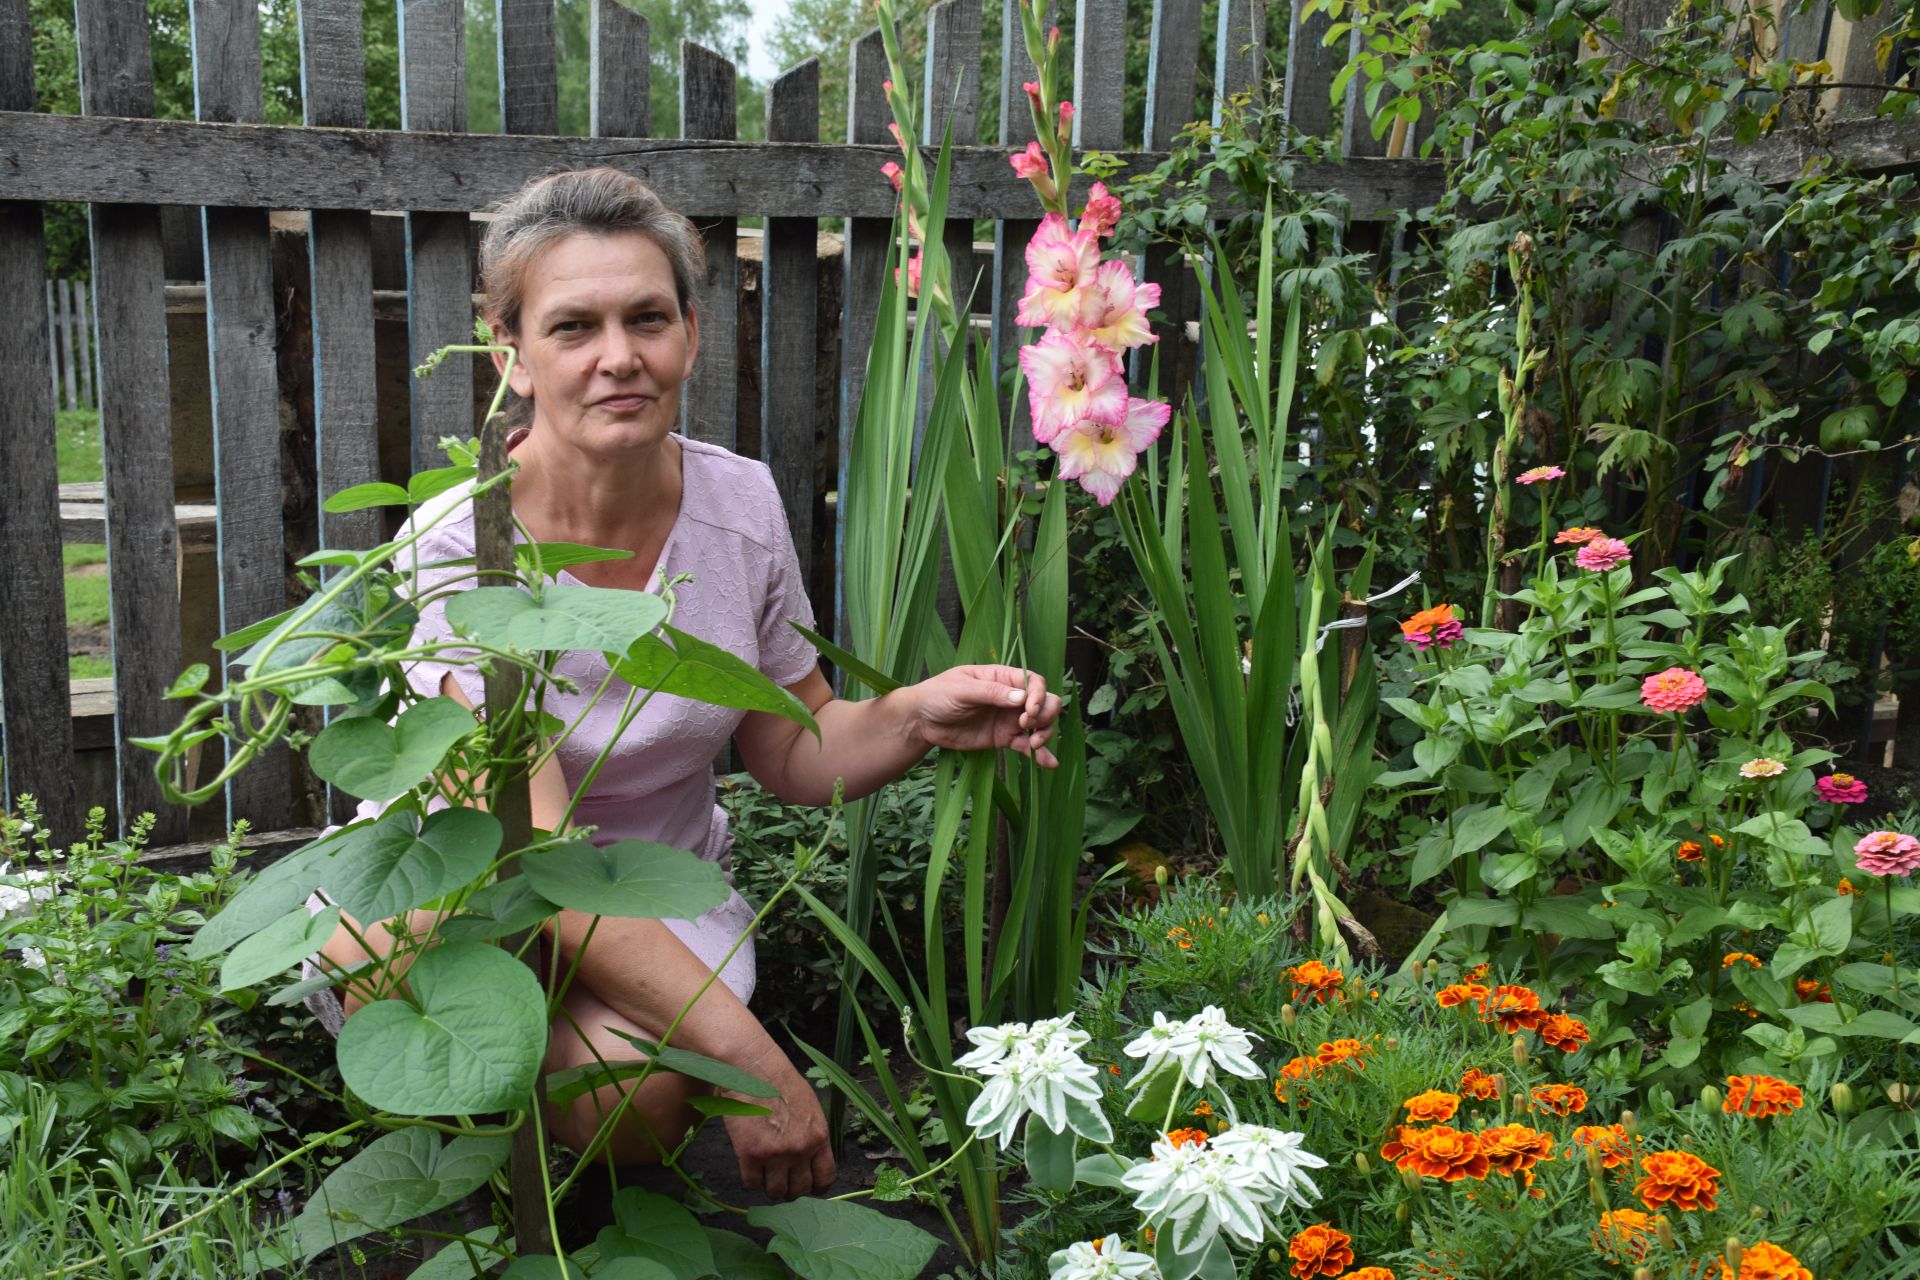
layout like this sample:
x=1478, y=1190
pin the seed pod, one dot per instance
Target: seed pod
x=1842, y=1095
x=1711, y=1098
x=1360, y=1162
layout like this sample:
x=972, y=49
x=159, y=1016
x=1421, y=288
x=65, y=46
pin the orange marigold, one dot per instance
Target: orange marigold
x=1845, y=888
x=1678, y=1178
x=1180, y=938
x=1812, y=991
x=1515, y=1008
x=1315, y=979
x=1396, y=1146
x=1761, y=1096
x=1460, y=993
x=1320, y=1250
x=1624, y=1234
x=1560, y=1099
x=1188, y=1137
x=1563, y=1032
x=1297, y=1072
x=1764, y=1261
x=1478, y=1084
x=1443, y=1152
x=1718, y=842
x=1333, y=1053
x=1733, y=958
x=1204, y=1109
x=1514, y=1148
x=1690, y=851
x=1478, y=972
x=1369, y=1273
x=1610, y=1140
x=1434, y=1104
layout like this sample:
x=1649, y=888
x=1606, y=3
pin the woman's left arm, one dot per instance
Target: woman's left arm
x=865, y=745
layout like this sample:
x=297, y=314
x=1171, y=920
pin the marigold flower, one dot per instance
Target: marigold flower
x=1180, y=938
x=1560, y=1099
x=1625, y=1234
x=1678, y=1178
x=1812, y=991
x=1761, y=1096
x=1578, y=535
x=1185, y=1137
x=1718, y=842
x=1396, y=1144
x=1534, y=475
x=1690, y=851
x=1515, y=1008
x=1739, y=957
x=1478, y=972
x=1434, y=1104
x=1320, y=1250
x=1315, y=979
x=1514, y=1148
x=1333, y=1053
x=1763, y=1261
x=1442, y=1152
x=1204, y=1109
x=1675, y=689
x=1369, y=1273
x=1603, y=554
x=1298, y=1072
x=1563, y=1032
x=1460, y=993
x=1887, y=853
x=1841, y=788
x=1432, y=627
x=1762, y=767
x=1845, y=888
x=1478, y=1084
x=1610, y=1140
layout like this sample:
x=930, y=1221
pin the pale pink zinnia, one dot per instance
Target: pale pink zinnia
x=1060, y=266
x=1070, y=380
x=1579, y=535
x=1029, y=163
x=1841, y=788
x=1536, y=474
x=1675, y=689
x=1603, y=554
x=1102, y=213
x=1763, y=767
x=1114, y=308
x=1101, y=455
x=1887, y=853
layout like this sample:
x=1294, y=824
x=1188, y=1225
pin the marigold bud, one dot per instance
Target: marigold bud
x=1519, y=1051
x=1390, y=1043
x=1596, y=1162
x=1288, y=1018
x=1360, y=1162
x=1732, y=1253
x=1597, y=1192
x=1641, y=1273
x=1499, y=1084
x=1411, y=1178
x=1711, y=1098
x=1160, y=875
x=1663, y=1230
x=1273, y=1255
x=1842, y=1095
x=1758, y=1211
x=1402, y=1212
x=1630, y=1123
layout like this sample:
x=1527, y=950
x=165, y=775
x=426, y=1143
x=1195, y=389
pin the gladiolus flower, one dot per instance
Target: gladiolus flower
x=1320, y=1250
x=1061, y=265
x=1432, y=628
x=1515, y=1008
x=1102, y=213
x=1031, y=163
x=1841, y=788
x=1763, y=767
x=1678, y=1178
x=1763, y=1261
x=1113, y=309
x=1887, y=853
x=1603, y=554
x=1624, y=1234
x=1579, y=535
x=1610, y=1140
x=1675, y=689
x=913, y=276
x=1535, y=475
x=1812, y=991
x=1513, y=1148
x=1442, y=1152
x=1066, y=121
x=1071, y=381
x=1739, y=957
x=894, y=174
x=1761, y=1097
x=1478, y=1084
x=1690, y=851
x=1560, y=1099
x=1431, y=1106
x=1563, y=1032
x=1102, y=455
x=1316, y=980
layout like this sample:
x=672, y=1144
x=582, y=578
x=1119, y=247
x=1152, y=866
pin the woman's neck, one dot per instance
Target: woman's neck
x=564, y=495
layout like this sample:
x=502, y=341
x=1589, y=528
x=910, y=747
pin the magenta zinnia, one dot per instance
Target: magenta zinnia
x=1675, y=689
x=1536, y=474
x=1432, y=627
x=1841, y=788
x=1887, y=853
x=1603, y=554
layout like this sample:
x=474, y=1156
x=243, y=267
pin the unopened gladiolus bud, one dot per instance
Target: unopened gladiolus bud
x=1361, y=1162
x=1066, y=122
x=1842, y=1095
x=1053, y=40
x=1519, y=1051
x=886, y=87
x=893, y=127
x=894, y=174
x=1711, y=1098
x=1664, y=1230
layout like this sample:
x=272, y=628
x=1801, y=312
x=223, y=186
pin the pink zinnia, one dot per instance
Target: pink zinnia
x=1841, y=788
x=1603, y=554
x=1432, y=628
x=1675, y=689
x=1537, y=474
x=1577, y=536
x=1762, y=767
x=1887, y=853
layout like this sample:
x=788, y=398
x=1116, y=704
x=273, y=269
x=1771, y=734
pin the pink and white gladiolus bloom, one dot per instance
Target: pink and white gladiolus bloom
x=1102, y=455
x=1061, y=266
x=1070, y=380
x=1114, y=308
x=1030, y=163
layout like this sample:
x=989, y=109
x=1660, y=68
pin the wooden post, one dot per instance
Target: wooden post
x=1011, y=235
x=622, y=72
x=790, y=282
x=953, y=102
x=529, y=86
x=1172, y=68
x=1240, y=52
x=710, y=404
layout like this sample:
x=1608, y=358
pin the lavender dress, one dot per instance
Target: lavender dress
x=731, y=537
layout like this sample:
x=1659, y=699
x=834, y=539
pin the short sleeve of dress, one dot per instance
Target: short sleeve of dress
x=451, y=539
x=786, y=656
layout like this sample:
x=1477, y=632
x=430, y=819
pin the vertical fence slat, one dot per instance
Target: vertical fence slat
x=621, y=72
x=36, y=729
x=709, y=410
x=529, y=88
x=790, y=284
x=69, y=349
x=333, y=64
x=241, y=340
x=1172, y=68
x=129, y=302
x=1307, y=96
x=433, y=96
x=953, y=102
x=1010, y=235
x=90, y=393
x=1100, y=74
x=53, y=334
x=1239, y=58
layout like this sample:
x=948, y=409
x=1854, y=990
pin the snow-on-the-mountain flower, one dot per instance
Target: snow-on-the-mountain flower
x=1107, y=1259
x=1034, y=1070
x=1278, y=1155
x=1197, y=1045
x=1240, y=1186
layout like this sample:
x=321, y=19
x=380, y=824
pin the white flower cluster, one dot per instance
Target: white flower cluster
x=16, y=901
x=1107, y=1259
x=1035, y=1069
x=1197, y=1046
x=1238, y=1181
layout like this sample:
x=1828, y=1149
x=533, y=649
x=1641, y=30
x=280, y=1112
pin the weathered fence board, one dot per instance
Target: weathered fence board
x=116, y=78
x=68, y=323
x=529, y=83
x=709, y=407
x=621, y=72
x=1172, y=67
x=790, y=286
x=1010, y=235
x=953, y=103
x=1307, y=92
x=1100, y=74
x=1240, y=52
x=36, y=730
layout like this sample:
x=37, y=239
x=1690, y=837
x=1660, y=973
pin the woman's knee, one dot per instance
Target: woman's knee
x=652, y=1123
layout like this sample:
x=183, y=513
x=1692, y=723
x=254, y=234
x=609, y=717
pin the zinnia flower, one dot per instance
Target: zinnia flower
x=1460, y=993
x=1514, y=1148
x=1535, y=475
x=1763, y=767
x=1102, y=455
x=1107, y=1259
x=1624, y=1234
x=1812, y=991
x=1761, y=1097
x=1675, y=689
x=1070, y=381
x=1102, y=213
x=1515, y=1008
x=1690, y=851
x=1579, y=535
x=1196, y=1046
x=1478, y=1084
x=1434, y=1104
x=1560, y=1099
x=1563, y=1032
x=1678, y=1178
x=1733, y=958
x=1610, y=1140
x=1603, y=554
x=1887, y=853
x=1442, y=1152
x=1432, y=627
x=1315, y=979
x=1841, y=788
x=1763, y=1261
x=1320, y=1250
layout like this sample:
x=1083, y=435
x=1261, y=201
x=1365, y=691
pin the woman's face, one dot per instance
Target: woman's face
x=604, y=346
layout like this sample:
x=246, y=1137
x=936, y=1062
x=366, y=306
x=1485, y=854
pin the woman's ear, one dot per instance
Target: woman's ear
x=521, y=381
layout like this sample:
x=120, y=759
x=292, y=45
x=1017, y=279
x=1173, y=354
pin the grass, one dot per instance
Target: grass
x=77, y=445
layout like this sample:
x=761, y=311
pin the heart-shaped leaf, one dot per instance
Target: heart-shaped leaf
x=510, y=906
x=692, y=668
x=605, y=618
x=474, y=1044
x=841, y=1240
x=269, y=895
x=377, y=761
x=739, y=1258
x=656, y=1229
x=398, y=1178
x=401, y=862
x=629, y=878
x=362, y=496
x=278, y=947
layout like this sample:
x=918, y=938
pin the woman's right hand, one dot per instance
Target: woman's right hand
x=785, y=1152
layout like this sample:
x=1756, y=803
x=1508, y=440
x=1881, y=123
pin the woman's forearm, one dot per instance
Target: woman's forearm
x=862, y=747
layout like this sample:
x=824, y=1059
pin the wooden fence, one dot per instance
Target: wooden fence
x=70, y=344
x=234, y=173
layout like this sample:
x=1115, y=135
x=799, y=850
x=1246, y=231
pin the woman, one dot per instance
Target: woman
x=590, y=279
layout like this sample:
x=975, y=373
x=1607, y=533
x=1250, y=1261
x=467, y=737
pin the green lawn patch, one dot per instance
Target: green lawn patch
x=77, y=443
x=86, y=600
x=78, y=555
x=87, y=666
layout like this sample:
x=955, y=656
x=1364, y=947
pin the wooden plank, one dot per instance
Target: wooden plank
x=54, y=157
x=790, y=282
x=1100, y=74
x=1173, y=58
x=53, y=339
x=83, y=518
x=1307, y=93
x=69, y=352
x=953, y=102
x=1010, y=235
x=333, y=63
x=116, y=78
x=226, y=61
x=710, y=403
x=622, y=72
x=1239, y=60
x=83, y=346
x=433, y=96
x=529, y=85
x=1803, y=32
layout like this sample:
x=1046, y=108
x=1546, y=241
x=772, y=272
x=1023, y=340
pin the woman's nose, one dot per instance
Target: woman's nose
x=619, y=351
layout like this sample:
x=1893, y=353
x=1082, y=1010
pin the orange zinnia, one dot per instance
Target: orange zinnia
x=1690, y=851
x=1678, y=1178
x=1316, y=980
x=1560, y=1099
x=1443, y=1152
x=1188, y=1137
x=1761, y=1096
x=1812, y=991
x=1514, y=1148
x=1610, y=1140
x=1478, y=1084
x=1845, y=888
x=1320, y=1250
x=1299, y=1071
x=1434, y=1104
x=1623, y=1234
x=1563, y=1032
x=1514, y=1008
x=1764, y=1261
x=1733, y=958
x=1460, y=993
x=1333, y=1053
